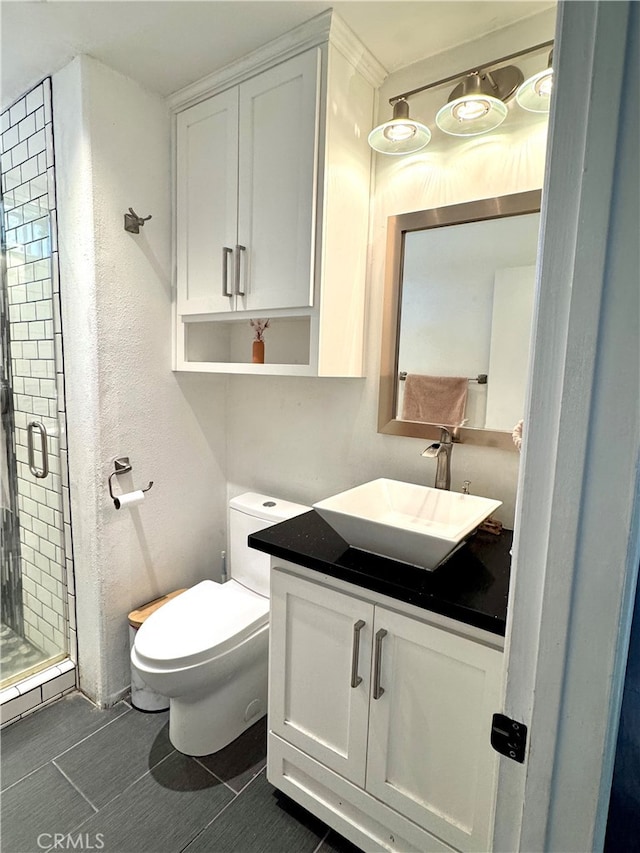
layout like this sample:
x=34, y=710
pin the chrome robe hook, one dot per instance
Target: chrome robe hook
x=133, y=222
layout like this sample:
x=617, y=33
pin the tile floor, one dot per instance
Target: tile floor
x=112, y=778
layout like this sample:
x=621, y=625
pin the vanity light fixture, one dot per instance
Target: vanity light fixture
x=534, y=94
x=475, y=106
x=401, y=135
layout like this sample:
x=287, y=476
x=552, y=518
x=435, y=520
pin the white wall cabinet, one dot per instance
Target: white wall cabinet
x=272, y=206
x=397, y=707
x=245, y=193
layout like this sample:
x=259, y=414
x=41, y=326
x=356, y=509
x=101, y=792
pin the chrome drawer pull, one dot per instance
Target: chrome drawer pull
x=355, y=654
x=377, y=690
x=226, y=251
x=239, y=251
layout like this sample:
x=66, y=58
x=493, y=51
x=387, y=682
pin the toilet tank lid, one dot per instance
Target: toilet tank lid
x=266, y=507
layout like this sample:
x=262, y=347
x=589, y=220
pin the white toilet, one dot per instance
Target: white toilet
x=207, y=649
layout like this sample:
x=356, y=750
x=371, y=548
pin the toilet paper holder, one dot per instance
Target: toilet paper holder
x=122, y=465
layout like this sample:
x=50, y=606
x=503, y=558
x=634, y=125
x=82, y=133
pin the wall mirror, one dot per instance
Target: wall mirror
x=459, y=294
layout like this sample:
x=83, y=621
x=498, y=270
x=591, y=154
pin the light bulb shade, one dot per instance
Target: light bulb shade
x=401, y=135
x=535, y=93
x=471, y=115
x=476, y=105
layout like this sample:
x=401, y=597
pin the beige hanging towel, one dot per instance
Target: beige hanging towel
x=435, y=399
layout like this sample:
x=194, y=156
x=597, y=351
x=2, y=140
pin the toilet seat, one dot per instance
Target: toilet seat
x=208, y=618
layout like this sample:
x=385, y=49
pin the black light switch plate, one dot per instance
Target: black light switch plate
x=509, y=737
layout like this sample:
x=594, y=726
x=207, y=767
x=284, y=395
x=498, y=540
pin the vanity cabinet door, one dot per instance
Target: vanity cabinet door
x=279, y=111
x=429, y=753
x=207, y=204
x=319, y=688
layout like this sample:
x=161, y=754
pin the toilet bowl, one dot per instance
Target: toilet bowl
x=207, y=649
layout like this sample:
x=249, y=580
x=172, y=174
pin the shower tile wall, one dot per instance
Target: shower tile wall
x=28, y=185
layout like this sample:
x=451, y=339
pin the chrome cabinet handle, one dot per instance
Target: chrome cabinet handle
x=226, y=251
x=355, y=654
x=239, y=250
x=43, y=472
x=377, y=690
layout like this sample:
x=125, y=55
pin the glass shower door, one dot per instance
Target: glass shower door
x=36, y=540
x=12, y=621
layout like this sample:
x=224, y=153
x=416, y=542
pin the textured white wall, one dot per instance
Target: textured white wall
x=305, y=439
x=113, y=151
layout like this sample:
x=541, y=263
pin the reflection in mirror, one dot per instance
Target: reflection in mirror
x=459, y=298
x=466, y=308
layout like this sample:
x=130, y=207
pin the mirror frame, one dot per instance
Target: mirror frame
x=515, y=204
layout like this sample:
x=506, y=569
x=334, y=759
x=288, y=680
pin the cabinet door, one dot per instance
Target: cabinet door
x=429, y=752
x=279, y=112
x=207, y=203
x=312, y=703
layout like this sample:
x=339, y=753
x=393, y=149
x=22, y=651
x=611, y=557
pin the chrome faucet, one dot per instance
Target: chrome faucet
x=442, y=452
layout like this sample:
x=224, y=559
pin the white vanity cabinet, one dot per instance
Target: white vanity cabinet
x=245, y=193
x=380, y=720
x=272, y=204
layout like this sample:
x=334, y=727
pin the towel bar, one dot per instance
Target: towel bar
x=481, y=378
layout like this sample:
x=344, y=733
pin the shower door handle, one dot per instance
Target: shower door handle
x=37, y=426
x=5, y=396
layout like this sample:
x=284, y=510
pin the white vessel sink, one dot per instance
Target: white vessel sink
x=414, y=524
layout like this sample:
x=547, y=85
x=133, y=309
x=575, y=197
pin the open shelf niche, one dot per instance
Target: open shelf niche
x=225, y=346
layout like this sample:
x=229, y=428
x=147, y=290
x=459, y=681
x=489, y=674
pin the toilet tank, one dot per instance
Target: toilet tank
x=249, y=513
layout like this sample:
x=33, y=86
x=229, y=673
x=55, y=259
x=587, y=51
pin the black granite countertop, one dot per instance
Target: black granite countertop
x=471, y=586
